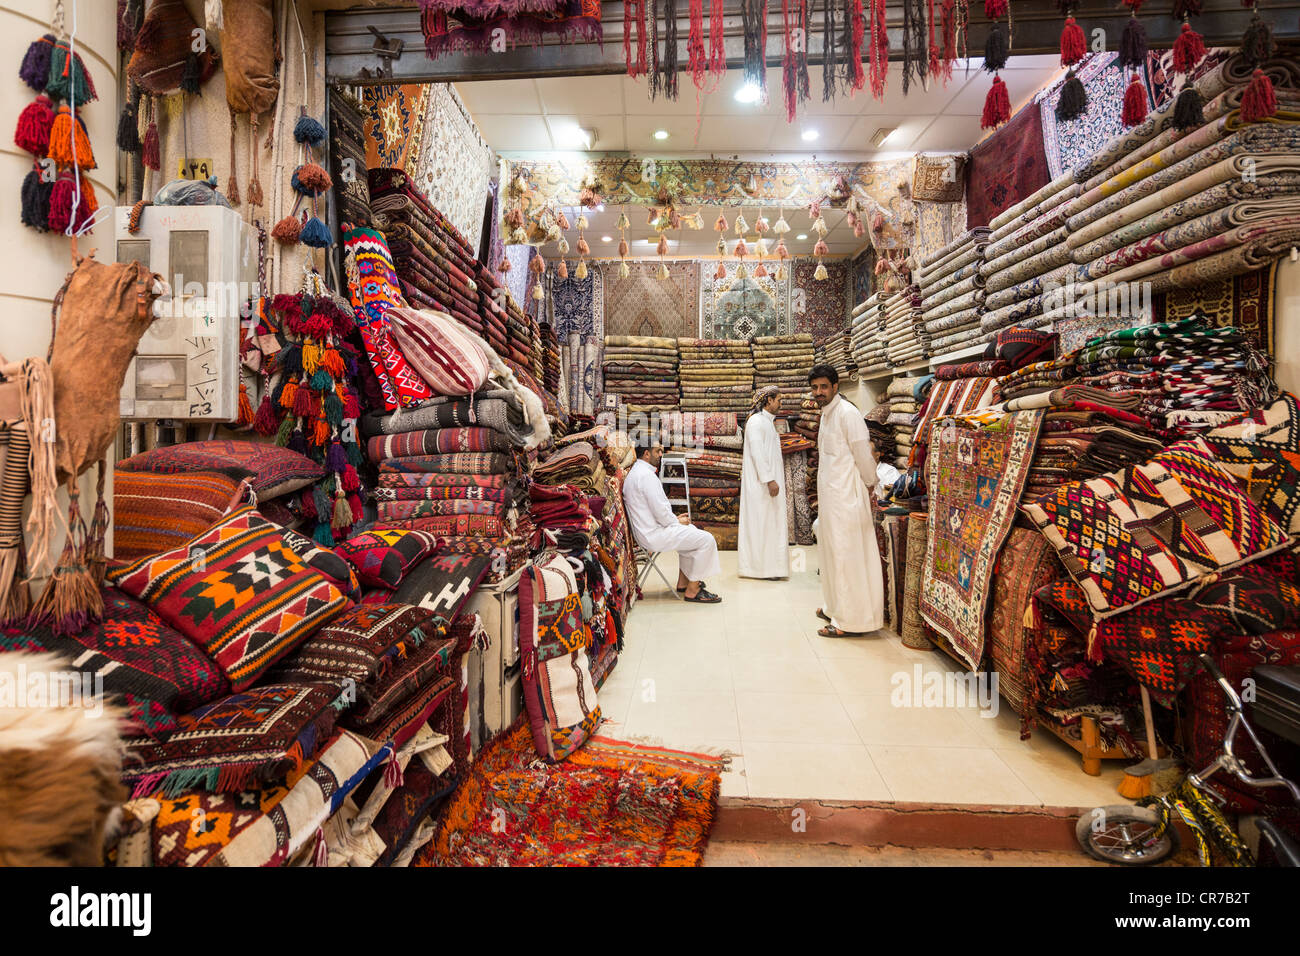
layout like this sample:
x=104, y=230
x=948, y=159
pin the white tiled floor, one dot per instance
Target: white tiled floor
x=812, y=717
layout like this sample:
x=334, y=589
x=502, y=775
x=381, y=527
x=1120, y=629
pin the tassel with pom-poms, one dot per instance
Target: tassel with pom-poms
x=820, y=272
x=68, y=79
x=581, y=271
x=996, y=48
x=721, y=224
x=128, y=127
x=245, y=415
x=35, y=68
x=562, y=269
x=69, y=145
x=287, y=230
x=623, y=270
x=741, y=249
x=1259, y=101
x=997, y=105
x=35, y=123
x=821, y=249
x=264, y=421
x=315, y=234
x=995, y=9
x=61, y=199
x=1073, y=101
x=662, y=248
x=1133, y=43
x=36, y=201
x=191, y=75
x=308, y=130
x=662, y=272
x=1189, y=48
x=1073, y=43
x=1135, y=102
x=582, y=247
x=623, y=249
x=721, y=272
x=311, y=179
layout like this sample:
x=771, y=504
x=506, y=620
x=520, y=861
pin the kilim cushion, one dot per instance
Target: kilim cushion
x=362, y=646
x=260, y=735
x=1134, y=535
x=274, y=471
x=156, y=671
x=153, y=512
x=444, y=582
x=238, y=591
x=1265, y=437
x=382, y=558
x=440, y=351
x=326, y=561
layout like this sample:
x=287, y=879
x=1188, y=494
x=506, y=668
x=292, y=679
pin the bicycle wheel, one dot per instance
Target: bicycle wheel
x=1126, y=835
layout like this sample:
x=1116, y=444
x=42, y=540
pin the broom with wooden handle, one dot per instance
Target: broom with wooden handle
x=1151, y=775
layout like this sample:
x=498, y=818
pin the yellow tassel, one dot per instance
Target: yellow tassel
x=310, y=357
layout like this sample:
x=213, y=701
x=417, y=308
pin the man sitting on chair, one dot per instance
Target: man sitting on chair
x=657, y=529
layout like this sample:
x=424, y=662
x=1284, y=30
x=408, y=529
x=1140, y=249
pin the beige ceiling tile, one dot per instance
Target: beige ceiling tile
x=581, y=94
x=505, y=132
x=499, y=96
x=949, y=134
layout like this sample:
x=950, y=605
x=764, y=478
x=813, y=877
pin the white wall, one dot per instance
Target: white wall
x=1286, y=318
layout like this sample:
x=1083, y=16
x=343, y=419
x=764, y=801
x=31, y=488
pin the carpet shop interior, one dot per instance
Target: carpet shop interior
x=331, y=483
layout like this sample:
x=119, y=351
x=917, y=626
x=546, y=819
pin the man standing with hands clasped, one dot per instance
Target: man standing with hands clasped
x=764, y=531
x=853, y=586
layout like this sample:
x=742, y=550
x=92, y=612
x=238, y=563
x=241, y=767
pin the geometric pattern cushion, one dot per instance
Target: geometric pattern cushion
x=274, y=471
x=440, y=351
x=324, y=560
x=1263, y=449
x=1137, y=534
x=382, y=558
x=154, y=512
x=238, y=591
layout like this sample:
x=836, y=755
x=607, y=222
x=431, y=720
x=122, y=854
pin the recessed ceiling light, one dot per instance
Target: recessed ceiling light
x=576, y=137
x=606, y=238
x=809, y=135
x=749, y=93
x=661, y=134
x=802, y=235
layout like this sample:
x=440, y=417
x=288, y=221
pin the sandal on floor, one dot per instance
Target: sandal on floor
x=683, y=590
x=822, y=614
x=830, y=630
x=703, y=597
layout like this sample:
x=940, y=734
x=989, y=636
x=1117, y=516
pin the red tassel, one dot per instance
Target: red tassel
x=1259, y=101
x=1188, y=49
x=151, y=154
x=1073, y=43
x=34, y=125
x=61, y=204
x=948, y=14
x=264, y=422
x=995, y=9
x=879, y=50
x=997, y=106
x=717, y=38
x=1135, y=102
x=856, y=27
x=697, y=58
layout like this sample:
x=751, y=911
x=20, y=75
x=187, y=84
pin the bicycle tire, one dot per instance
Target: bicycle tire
x=1109, y=846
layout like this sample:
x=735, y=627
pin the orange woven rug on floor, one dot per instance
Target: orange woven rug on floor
x=613, y=803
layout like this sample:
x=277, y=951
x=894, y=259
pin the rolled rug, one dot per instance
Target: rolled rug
x=913, y=630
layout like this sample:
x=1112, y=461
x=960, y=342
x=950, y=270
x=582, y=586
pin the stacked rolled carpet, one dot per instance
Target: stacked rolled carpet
x=716, y=375
x=550, y=359
x=715, y=492
x=433, y=261
x=642, y=370
x=835, y=351
x=905, y=396
x=808, y=424
x=450, y=468
x=868, y=346
x=1156, y=208
x=952, y=292
x=904, y=332
x=348, y=152
x=784, y=361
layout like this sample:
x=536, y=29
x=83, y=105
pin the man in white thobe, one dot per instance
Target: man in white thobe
x=764, y=530
x=657, y=529
x=853, y=587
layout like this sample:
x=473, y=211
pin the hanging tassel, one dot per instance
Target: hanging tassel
x=36, y=201
x=1257, y=41
x=997, y=106
x=351, y=480
x=191, y=75
x=1189, y=109
x=1189, y=48
x=741, y=249
x=781, y=251
x=61, y=203
x=581, y=271
x=1135, y=102
x=623, y=270
x=753, y=21
x=1073, y=101
x=794, y=65
x=245, y=416
x=634, y=20
x=1073, y=43
x=35, y=124
x=995, y=9
x=662, y=247
x=948, y=16
x=232, y=183
x=915, y=58
x=760, y=272
x=721, y=272
x=721, y=224
x=1186, y=8
x=314, y=233
x=722, y=247
x=69, y=145
x=1133, y=45
x=35, y=68
x=307, y=130
x=623, y=249
x=255, y=185
x=311, y=179
x=151, y=148
x=879, y=50
x=1259, y=101
x=820, y=272
x=68, y=79
x=582, y=247
x=717, y=40
x=697, y=60
x=663, y=271
x=128, y=128
x=820, y=249
x=562, y=270
x=995, y=48
x=264, y=422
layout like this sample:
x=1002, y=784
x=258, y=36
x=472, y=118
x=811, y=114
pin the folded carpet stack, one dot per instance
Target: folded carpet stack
x=715, y=490
x=1156, y=208
x=836, y=351
x=550, y=359
x=904, y=397
x=784, y=361
x=717, y=375
x=807, y=424
x=867, y=344
x=642, y=370
x=904, y=329
x=952, y=292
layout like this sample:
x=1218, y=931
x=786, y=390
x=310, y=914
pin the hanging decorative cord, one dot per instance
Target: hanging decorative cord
x=668, y=62
x=1189, y=50
x=997, y=105
x=915, y=58
x=794, y=65
x=634, y=37
x=753, y=18
x=1133, y=56
x=1259, y=101
x=879, y=51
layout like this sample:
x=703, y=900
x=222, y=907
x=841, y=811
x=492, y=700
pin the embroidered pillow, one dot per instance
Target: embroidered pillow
x=1263, y=450
x=238, y=591
x=157, y=512
x=326, y=561
x=274, y=470
x=154, y=669
x=1133, y=535
x=1020, y=347
x=257, y=736
x=440, y=350
x=939, y=178
x=444, y=582
x=382, y=558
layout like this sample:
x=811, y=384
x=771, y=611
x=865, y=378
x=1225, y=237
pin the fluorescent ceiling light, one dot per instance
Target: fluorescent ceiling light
x=661, y=134
x=809, y=135
x=749, y=93
x=606, y=238
x=802, y=236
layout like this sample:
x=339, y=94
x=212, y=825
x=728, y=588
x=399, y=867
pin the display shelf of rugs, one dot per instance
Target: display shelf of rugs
x=1157, y=205
x=952, y=292
x=834, y=350
x=868, y=346
x=643, y=372
x=903, y=329
x=717, y=375
x=784, y=361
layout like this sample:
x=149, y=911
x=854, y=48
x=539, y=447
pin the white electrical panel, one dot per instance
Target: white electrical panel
x=187, y=363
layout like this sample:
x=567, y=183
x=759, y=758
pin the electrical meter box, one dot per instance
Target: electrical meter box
x=186, y=366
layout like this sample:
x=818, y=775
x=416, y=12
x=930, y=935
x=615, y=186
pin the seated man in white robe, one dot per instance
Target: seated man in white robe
x=656, y=528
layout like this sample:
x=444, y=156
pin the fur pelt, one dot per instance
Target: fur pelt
x=62, y=773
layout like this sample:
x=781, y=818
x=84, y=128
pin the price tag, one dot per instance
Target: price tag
x=195, y=168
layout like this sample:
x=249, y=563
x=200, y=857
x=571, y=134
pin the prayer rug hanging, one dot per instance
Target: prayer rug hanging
x=1006, y=167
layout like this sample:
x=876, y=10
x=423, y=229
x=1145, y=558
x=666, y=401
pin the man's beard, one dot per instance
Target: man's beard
x=822, y=402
